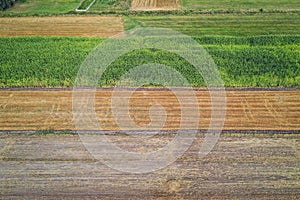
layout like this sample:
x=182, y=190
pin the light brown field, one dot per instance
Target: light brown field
x=101, y=26
x=240, y=166
x=155, y=4
x=245, y=110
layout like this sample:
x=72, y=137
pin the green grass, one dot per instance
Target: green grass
x=85, y=4
x=222, y=24
x=32, y=7
x=111, y=5
x=260, y=61
x=241, y=4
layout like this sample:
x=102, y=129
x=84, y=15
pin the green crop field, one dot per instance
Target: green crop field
x=268, y=61
x=222, y=24
x=241, y=4
x=42, y=61
x=251, y=49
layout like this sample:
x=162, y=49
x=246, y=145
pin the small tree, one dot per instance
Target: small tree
x=4, y=4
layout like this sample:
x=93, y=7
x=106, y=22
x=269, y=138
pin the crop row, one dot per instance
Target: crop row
x=222, y=24
x=55, y=61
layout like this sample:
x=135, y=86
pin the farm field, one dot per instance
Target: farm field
x=256, y=47
x=155, y=4
x=55, y=61
x=241, y=166
x=61, y=26
x=245, y=109
x=241, y=4
x=222, y=24
x=29, y=7
x=193, y=25
x=218, y=5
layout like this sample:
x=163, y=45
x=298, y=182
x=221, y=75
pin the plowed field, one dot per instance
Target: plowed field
x=59, y=167
x=61, y=26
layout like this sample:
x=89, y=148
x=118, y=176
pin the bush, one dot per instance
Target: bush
x=4, y=4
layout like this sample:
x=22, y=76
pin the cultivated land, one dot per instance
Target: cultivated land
x=155, y=4
x=254, y=61
x=239, y=167
x=255, y=44
x=245, y=109
x=241, y=4
x=61, y=26
x=222, y=24
x=257, y=156
x=61, y=6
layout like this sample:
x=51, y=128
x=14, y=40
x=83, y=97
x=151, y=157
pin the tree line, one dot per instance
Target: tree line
x=4, y=4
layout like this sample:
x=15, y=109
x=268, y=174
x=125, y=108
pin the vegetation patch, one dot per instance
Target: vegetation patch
x=85, y=5
x=240, y=4
x=38, y=7
x=111, y=6
x=221, y=24
x=272, y=61
x=42, y=61
x=5, y=4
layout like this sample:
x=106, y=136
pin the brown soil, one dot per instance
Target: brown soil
x=246, y=110
x=50, y=166
x=61, y=26
x=59, y=167
x=155, y=4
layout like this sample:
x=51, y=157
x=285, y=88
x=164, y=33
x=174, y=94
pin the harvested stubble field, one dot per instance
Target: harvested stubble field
x=101, y=26
x=155, y=4
x=245, y=110
x=241, y=165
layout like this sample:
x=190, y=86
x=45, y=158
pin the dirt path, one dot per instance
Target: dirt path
x=246, y=110
x=61, y=26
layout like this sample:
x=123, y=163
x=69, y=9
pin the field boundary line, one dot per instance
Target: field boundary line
x=84, y=10
x=163, y=132
x=149, y=89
